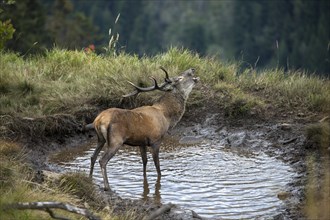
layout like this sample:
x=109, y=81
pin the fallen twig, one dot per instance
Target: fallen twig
x=289, y=141
x=47, y=206
x=158, y=212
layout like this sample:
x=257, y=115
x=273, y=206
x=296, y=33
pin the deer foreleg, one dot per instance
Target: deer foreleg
x=155, y=156
x=143, y=151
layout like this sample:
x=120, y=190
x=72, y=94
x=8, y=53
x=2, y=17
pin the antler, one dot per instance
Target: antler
x=154, y=87
x=167, y=79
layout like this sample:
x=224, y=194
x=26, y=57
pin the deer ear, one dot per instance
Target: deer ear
x=169, y=87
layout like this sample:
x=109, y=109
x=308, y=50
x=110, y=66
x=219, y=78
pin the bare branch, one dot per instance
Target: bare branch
x=46, y=206
x=51, y=213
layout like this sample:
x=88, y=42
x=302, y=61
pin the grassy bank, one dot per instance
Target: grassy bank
x=55, y=94
x=72, y=86
x=66, y=81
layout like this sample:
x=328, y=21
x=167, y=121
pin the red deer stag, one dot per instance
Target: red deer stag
x=143, y=126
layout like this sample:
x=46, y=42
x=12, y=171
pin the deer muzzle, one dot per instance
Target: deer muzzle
x=196, y=79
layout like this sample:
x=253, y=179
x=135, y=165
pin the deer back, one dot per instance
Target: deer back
x=141, y=126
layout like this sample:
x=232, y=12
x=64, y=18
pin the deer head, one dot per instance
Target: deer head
x=183, y=84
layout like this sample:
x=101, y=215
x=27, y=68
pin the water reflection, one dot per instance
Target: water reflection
x=156, y=197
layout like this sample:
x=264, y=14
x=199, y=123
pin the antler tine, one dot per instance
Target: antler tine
x=154, y=87
x=155, y=82
x=162, y=86
x=141, y=89
x=167, y=79
x=131, y=94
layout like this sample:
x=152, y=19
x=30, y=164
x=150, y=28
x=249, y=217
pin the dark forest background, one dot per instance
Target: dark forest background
x=288, y=34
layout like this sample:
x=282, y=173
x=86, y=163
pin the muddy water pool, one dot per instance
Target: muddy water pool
x=213, y=180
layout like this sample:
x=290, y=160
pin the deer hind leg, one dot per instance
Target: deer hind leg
x=155, y=156
x=110, y=151
x=100, y=143
x=143, y=151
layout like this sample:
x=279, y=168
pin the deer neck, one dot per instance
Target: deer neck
x=173, y=106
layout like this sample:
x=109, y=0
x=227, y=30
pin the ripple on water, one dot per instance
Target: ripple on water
x=207, y=179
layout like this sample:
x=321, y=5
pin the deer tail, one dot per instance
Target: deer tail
x=89, y=127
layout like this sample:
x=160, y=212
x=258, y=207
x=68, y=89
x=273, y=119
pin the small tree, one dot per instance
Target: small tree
x=6, y=28
x=6, y=32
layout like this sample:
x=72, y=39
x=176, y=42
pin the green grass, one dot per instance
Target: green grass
x=238, y=103
x=292, y=89
x=66, y=81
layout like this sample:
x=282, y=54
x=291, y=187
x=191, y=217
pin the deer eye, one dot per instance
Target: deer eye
x=178, y=79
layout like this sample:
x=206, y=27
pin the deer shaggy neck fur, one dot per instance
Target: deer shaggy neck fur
x=173, y=107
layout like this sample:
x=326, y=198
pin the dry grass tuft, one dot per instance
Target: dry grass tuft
x=318, y=135
x=79, y=184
